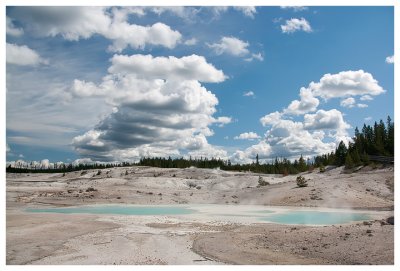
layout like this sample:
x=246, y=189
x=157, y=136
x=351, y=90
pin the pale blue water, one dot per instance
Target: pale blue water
x=283, y=217
x=118, y=210
x=315, y=217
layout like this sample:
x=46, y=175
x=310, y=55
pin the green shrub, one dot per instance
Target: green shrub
x=262, y=182
x=322, y=169
x=301, y=181
x=191, y=184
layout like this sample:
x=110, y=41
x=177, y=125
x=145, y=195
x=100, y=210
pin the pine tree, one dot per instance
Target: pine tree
x=356, y=157
x=340, y=154
x=302, y=164
x=389, y=146
x=349, y=161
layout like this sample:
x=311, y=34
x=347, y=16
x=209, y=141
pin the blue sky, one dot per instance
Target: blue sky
x=118, y=83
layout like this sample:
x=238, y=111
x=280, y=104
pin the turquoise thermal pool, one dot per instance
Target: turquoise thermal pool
x=315, y=217
x=253, y=214
x=118, y=210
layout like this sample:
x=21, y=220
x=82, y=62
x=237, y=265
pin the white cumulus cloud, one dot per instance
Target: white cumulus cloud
x=248, y=136
x=366, y=98
x=296, y=24
x=389, y=59
x=326, y=120
x=307, y=103
x=362, y=105
x=23, y=55
x=75, y=23
x=271, y=118
x=190, y=42
x=348, y=102
x=230, y=45
x=161, y=109
x=345, y=84
x=319, y=132
x=191, y=67
x=222, y=121
x=286, y=138
x=86, y=89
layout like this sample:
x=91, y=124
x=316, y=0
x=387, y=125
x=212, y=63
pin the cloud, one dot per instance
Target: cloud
x=209, y=151
x=257, y=56
x=86, y=89
x=177, y=10
x=72, y=23
x=348, y=102
x=230, y=45
x=240, y=157
x=8, y=149
x=248, y=11
x=12, y=30
x=248, y=94
x=295, y=8
x=191, y=67
x=190, y=42
x=161, y=109
x=326, y=120
x=307, y=103
x=23, y=55
x=321, y=131
x=218, y=10
x=262, y=149
x=295, y=24
x=248, y=136
x=190, y=14
x=85, y=161
x=362, y=105
x=366, y=98
x=51, y=115
x=271, y=119
x=288, y=139
x=75, y=23
x=222, y=121
x=389, y=59
x=186, y=13
x=137, y=37
x=345, y=84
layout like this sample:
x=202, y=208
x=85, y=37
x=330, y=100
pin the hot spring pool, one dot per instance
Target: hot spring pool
x=118, y=210
x=315, y=217
x=214, y=212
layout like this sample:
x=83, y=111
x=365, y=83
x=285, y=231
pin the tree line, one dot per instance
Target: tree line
x=376, y=140
x=27, y=168
x=372, y=140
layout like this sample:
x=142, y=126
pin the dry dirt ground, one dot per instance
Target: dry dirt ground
x=49, y=238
